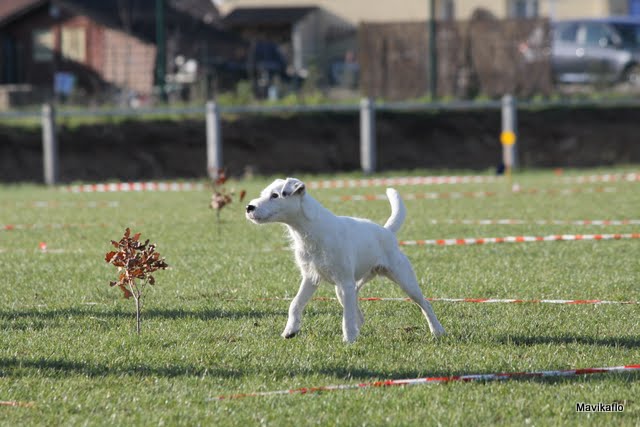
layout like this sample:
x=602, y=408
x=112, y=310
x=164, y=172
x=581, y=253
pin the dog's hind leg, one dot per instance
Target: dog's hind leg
x=348, y=297
x=360, y=318
x=402, y=273
x=307, y=288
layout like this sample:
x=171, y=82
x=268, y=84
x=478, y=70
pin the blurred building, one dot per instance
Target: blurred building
x=291, y=43
x=98, y=48
x=356, y=11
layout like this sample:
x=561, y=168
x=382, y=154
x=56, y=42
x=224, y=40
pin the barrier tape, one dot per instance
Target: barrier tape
x=617, y=177
x=12, y=227
x=519, y=239
x=465, y=241
x=134, y=187
x=473, y=194
x=536, y=221
x=470, y=300
x=42, y=248
x=506, y=221
x=437, y=380
x=59, y=204
x=16, y=404
x=409, y=180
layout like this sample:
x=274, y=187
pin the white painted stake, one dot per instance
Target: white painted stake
x=367, y=136
x=49, y=145
x=214, y=140
x=509, y=134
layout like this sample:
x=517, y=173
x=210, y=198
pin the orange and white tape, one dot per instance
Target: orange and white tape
x=519, y=239
x=510, y=221
x=616, y=177
x=473, y=194
x=53, y=226
x=470, y=300
x=503, y=376
x=400, y=181
x=66, y=204
x=134, y=187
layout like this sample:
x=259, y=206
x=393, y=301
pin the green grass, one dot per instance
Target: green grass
x=68, y=340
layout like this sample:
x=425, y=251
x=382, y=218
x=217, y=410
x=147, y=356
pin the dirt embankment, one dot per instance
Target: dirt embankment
x=137, y=150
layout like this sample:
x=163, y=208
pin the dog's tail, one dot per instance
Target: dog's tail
x=398, y=212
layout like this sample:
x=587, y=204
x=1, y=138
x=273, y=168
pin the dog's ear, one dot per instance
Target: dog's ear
x=293, y=186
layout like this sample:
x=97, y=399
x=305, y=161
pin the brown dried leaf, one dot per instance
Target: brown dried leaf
x=109, y=256
x=127, y=293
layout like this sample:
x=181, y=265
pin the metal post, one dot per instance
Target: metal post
x=433, y=54
x=49, y=145
x=214, y=140
x=161, y=47
x=509, y=135
x=367, y=135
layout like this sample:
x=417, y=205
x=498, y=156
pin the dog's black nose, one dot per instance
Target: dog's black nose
x=250, y=208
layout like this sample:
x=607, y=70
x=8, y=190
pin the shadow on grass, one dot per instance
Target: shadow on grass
x=151, y=313
x=14, y=367
x=58, y=368
x=623, y=341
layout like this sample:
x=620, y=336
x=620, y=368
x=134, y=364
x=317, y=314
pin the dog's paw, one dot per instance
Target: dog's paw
x=349, y=340
x=289, y=334
x=438, y=332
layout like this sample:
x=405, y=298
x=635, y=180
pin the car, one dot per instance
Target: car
x=605, y=50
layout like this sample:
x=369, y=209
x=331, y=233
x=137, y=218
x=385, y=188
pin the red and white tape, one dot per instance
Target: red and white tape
x=438, y=380
x=67, y=204
x=399, y=181
x=509, y=221
x=16, y=404
x=134, y=187
x=474, y=300
x=54, y=226
x=519, y=239
x=473, y=194
x=415, y=196
x=617, y=177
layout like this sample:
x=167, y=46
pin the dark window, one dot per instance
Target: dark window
x=597, y=35
x=566, y=32
x=522, y=8
x=629, y=34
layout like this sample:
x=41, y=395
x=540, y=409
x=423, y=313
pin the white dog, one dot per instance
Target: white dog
x=344, y=251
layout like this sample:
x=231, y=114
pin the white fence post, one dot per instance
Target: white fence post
x=509, y=135
x=214, y=140
x=49, y=145
x=367, y=135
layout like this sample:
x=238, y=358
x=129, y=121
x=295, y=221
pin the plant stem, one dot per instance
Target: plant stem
x=137, y=314
x=136, y=296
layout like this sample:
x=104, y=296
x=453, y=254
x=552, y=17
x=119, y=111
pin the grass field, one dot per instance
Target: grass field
x=68, y=341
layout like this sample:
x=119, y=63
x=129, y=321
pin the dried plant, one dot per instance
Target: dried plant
x=221, y=196
x=135, y=262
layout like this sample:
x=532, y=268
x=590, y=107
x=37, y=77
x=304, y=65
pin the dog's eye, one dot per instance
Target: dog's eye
x=274, y=195
x=285, y=194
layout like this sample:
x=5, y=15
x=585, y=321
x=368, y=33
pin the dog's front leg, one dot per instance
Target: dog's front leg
x=307, y=288
x=348, y=296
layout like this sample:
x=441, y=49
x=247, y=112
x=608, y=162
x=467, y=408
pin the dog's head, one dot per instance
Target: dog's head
x=281, y=201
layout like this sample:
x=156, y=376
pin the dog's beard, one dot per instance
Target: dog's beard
x=259, y=219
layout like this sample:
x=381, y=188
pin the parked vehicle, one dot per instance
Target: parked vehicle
x=596, y=50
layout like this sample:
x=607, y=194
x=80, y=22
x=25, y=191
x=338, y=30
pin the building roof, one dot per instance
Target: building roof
x=15, y=8
x=135, y=16
x=138, y=12
x=266, y=16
